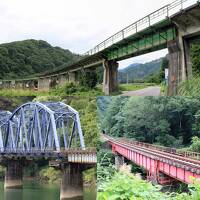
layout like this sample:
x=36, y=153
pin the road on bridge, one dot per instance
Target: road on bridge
x=149, y=91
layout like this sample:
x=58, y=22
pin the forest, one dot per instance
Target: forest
x=29, y=57
x=168, y=121
x=138, y=72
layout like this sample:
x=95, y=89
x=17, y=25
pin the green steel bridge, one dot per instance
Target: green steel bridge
x=173, y=26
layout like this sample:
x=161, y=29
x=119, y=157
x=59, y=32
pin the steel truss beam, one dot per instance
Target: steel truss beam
x=40, y=126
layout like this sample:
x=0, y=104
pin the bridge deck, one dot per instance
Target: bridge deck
x=73, y=155
x=159, y=159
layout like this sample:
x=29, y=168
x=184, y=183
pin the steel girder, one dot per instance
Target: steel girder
x=40, y=126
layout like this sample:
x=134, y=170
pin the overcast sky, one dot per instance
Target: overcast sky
x=77, y=25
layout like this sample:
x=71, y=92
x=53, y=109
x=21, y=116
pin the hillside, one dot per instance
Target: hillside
x=28, y=57
x=138, y=71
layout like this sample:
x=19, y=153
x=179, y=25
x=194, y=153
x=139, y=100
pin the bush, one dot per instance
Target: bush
x=195, y=146
x=105, y=167
x=88, y=79
x=75, y=89
x=129, y=187
x=50, y=175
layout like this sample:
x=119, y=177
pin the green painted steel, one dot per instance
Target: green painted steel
x=148, y=34
x=147, y=43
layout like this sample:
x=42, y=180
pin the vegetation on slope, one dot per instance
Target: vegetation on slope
x=139, y=72
x=28, y=57
x=191, y=87
x=129, y=187
x=165, y=121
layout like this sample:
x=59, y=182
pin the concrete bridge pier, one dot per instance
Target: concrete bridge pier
x=72, y=183
x=180, y=67
x=14, y=174
x=174, y=58
x=44, y=84
x=119, y=160
x=63, y=79
x=110, y=82
x=72, y=77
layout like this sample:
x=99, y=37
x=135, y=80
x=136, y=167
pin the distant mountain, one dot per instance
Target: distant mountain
x=138, y=71
x=28, y=57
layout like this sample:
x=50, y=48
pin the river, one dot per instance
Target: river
x=33, y=190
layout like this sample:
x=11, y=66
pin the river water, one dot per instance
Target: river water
x=33, y=190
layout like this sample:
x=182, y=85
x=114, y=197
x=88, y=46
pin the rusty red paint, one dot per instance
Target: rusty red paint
x=162, y=170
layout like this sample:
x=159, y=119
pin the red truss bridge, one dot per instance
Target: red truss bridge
x=163, y=165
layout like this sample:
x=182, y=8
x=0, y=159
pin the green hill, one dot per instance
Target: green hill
x=138, y=71
x=26, y=58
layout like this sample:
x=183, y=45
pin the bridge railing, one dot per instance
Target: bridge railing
x=46, y=151
x=145, y=22
x=189, y=154
x=180, y=152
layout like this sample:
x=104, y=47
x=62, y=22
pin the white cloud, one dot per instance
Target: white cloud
x=77, y=25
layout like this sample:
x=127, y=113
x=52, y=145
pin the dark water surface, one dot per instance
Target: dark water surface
x=36, y=191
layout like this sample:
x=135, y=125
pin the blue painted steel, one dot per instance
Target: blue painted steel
x=41, y=127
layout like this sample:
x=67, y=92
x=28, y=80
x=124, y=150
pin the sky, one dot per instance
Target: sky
x=77, y=25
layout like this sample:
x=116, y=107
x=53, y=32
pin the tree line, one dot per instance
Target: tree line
x=29, y=57
x=168, y=121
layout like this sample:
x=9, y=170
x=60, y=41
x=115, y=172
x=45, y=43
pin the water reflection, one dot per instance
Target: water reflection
x=10, y=194
x=35, y=191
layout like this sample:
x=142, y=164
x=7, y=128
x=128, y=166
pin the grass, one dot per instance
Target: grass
x=21, y=92
x=190, y=87
x=71, y=89
x=67, y=90
x=163, y=89
x=134, y=86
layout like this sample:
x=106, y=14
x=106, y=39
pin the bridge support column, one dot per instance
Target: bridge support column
x=72, y=183
x=110, y=82
x=14, y=174
x=43, y=84
x=119, y=161
x=175, y=67
x=63, y=79
x=72, y=77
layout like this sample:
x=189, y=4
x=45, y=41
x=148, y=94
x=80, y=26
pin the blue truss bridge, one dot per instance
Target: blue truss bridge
x=45, y=130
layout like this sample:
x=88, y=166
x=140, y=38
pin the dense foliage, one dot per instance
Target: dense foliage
x=25, y=58
x=195, y=146
x=88, y=79
x=158, y=77
x=127, y=187
x=191, y=87
x=75, y=89
x=50, y=175
x=195, y=57
x=166, y=121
